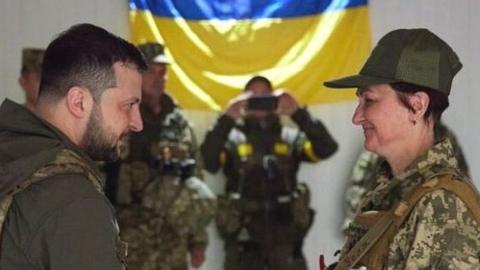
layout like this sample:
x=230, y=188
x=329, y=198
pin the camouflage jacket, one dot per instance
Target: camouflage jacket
x=440, y=232
x=163, y=206
x=62, y=221
x=363, y=175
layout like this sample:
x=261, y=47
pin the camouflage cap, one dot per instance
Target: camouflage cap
x=32, y=59
x=415, y=56
x=154, y=53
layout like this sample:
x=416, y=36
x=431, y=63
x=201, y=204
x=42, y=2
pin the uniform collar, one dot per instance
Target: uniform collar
x=439, y=159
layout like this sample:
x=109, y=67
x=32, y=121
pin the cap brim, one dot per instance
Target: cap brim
x=356, y=81
x=160, y=59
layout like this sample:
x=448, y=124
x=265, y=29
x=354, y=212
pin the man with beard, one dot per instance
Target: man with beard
x=163, y=206
x=54, y=214
x=265, y=214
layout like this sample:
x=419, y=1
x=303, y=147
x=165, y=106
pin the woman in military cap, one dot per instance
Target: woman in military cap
x=423, y=213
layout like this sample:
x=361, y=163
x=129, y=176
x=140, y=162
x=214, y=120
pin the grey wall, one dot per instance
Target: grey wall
x=35, y=22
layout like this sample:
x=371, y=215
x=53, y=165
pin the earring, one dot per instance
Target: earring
x=414, y=122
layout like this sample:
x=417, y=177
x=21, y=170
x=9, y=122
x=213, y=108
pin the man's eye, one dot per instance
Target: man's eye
x=368, y=100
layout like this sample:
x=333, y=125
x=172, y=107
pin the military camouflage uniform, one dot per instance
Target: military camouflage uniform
x=265, y=214
x=163, y=207
x=58, y=217
x=364, y=172
x=440, y=232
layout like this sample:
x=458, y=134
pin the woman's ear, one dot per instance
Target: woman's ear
x=78, y=101
x=419, y=102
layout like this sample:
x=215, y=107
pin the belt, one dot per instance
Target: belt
x=252, y=205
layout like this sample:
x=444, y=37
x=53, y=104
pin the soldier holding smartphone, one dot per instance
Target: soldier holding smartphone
x=265, y=212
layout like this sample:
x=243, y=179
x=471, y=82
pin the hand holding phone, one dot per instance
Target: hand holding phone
x=287, y=104
x=236, y=106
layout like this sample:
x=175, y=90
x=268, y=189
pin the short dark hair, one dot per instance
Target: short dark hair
x=84, y=56
x=256, y=79
x=438, y=100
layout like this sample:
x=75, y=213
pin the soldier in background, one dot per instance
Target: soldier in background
x=30, y=75
x=363, y=176
x=265, y=213
x=163, y=206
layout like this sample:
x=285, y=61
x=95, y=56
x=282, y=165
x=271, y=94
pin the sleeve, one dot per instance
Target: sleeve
x=193, y=208
x=214, y=143
x=81, y=235
x=441, y=233
x=195, y=153
x=319, y=144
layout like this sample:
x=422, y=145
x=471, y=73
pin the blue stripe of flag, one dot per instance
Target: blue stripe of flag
x=240, y=9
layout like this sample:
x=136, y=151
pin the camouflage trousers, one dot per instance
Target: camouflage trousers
x=265, y=238
x=249, y=256
x=148, y=247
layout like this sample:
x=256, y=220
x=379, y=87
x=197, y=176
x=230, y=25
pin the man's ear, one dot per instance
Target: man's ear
x=419, y=102
x=78, y=101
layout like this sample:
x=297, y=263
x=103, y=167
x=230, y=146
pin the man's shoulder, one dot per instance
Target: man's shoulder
x=73, y=184
x=177, y=117
x=55, y=192
x=237, y=135
x=291, y=133
x=53, y=197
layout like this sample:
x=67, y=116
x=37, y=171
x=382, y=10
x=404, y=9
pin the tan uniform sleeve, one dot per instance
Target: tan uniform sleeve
x=440, y=233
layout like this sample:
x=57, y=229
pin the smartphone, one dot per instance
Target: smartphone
x=262, y=103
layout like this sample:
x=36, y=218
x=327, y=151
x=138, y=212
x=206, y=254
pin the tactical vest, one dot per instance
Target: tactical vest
x=66, y=162
x=259, y=167
x=172, y=145
x=249, y=164
x=372, y=249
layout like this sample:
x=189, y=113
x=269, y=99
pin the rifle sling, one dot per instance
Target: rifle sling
x=365, y=243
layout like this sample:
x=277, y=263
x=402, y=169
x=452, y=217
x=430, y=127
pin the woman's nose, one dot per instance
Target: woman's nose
x=357, y=117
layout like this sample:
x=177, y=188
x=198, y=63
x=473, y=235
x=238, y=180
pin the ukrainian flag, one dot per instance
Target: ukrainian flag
x=217, y=45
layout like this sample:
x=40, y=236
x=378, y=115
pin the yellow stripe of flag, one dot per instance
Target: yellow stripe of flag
x=213, y=59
